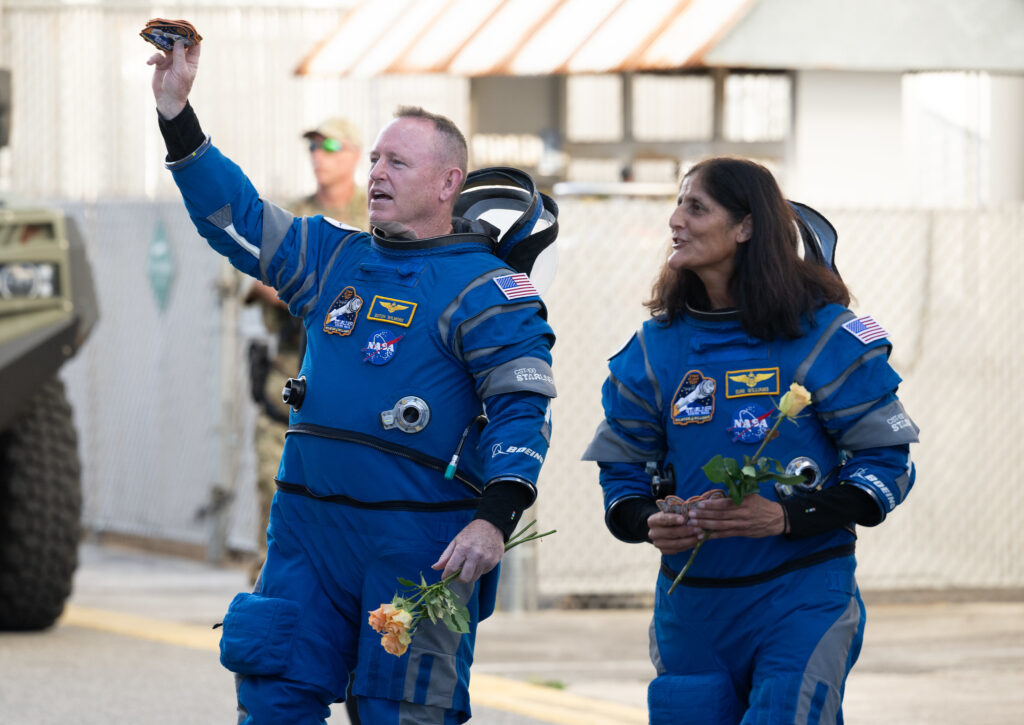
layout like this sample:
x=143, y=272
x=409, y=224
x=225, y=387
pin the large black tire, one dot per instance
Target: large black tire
x=40, y=511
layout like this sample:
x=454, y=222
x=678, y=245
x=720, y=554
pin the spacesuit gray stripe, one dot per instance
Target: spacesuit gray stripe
x=876, y=429
x=852, y=410
x=439, y=645
x=824, y=391
x=801, y=371
x=633, y=398
x=652, y=633
x=300, y=264
x=523, y=374
x=324, y=274
x=608, y=446
x=635, y=424
x=649, y=370
x=276, y=223
x=221, y=217
x=827, y=664
x=445, y=320
x=472, y=323
x=480, y=352
x=903, y=484
x=411, y=714
x=306, y=285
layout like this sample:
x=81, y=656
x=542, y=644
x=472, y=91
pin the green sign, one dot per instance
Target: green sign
x=160, y=266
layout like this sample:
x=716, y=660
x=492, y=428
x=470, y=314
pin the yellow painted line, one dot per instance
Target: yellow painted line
x=157, y=630
x=547, y=704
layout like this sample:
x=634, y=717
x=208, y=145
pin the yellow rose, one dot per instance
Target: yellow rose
x=794, y=401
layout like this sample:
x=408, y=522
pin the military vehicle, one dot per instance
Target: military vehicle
x=47, y=309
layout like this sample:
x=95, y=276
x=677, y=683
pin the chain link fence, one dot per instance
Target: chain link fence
x=160, y=391
x=161, y=397
x=939, y=281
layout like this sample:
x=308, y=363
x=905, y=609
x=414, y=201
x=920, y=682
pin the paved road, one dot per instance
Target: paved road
x=135, y=646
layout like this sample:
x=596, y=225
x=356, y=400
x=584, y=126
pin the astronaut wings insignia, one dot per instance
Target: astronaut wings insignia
x=750, y=379
x=393, y=307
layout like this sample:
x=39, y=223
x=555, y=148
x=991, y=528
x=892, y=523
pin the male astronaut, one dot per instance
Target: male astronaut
x=362, y=498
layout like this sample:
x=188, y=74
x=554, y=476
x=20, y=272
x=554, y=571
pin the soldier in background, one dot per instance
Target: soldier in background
x=334, y=148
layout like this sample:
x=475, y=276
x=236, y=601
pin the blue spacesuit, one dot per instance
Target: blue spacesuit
x=409, y=344
x=761, y=629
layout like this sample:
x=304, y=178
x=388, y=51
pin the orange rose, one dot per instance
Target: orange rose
x=398, y=622
x=396, y=643
x=379, y=617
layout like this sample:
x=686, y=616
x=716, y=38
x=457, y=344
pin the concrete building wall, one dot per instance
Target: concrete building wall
x=1007, y=139
x=848, y=139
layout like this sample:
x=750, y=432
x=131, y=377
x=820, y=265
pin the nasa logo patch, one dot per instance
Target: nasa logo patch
x=750, y=424
x=343, y=312
x=694, y=401
x=381, y=346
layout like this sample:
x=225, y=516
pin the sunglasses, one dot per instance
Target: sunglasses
x=330, y=145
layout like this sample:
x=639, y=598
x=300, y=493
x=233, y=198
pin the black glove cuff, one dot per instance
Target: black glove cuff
x=182, y=134
x=627, y=519
x=503, y=503
x=815, y=512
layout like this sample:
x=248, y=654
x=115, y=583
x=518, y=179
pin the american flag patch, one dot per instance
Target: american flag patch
x=865, y=329
x=514, y=286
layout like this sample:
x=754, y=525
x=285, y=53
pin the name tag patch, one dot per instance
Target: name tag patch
x=746, y=383
x=389, y=309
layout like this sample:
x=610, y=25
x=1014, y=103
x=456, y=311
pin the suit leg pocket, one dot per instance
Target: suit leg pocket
x=258, y=634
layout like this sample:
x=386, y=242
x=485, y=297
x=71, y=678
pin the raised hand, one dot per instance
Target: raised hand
x=173, y=76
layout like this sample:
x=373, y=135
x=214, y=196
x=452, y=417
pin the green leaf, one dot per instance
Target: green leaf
x=405, y=582
x=715, y=470
x=749, y=472
x=789, y=479
x=461, y=617
x=733, y=468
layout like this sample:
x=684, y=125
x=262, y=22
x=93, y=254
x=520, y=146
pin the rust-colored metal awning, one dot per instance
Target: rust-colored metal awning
x=522, y=37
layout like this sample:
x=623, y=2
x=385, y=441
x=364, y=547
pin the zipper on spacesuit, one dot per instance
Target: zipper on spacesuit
x=435, y=464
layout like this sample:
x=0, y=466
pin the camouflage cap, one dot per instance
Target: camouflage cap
x=339, y=129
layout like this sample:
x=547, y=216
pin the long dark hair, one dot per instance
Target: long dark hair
x=772, y=287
